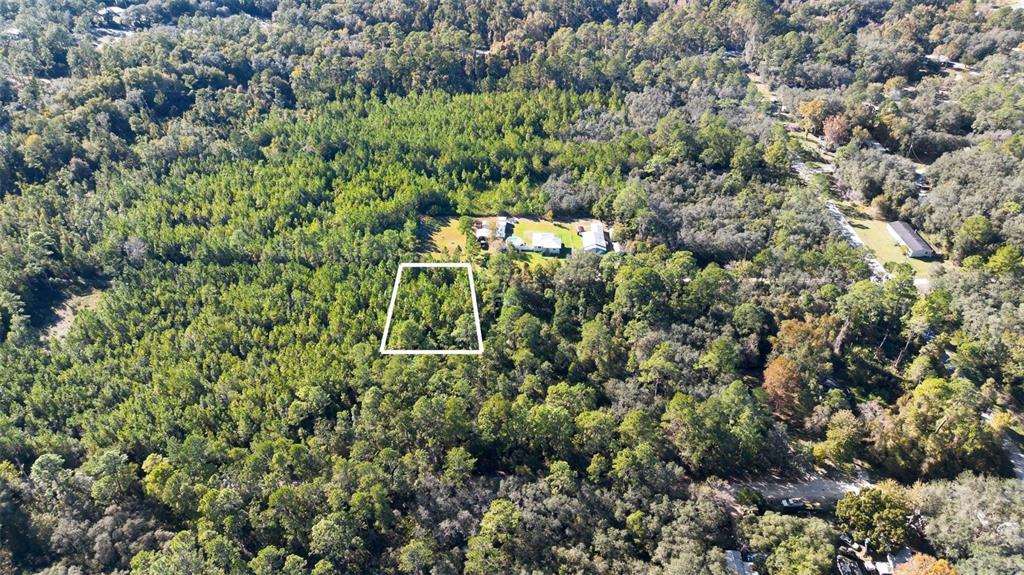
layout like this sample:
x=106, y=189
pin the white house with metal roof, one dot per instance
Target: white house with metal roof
x=594, y=239
x=546, y=243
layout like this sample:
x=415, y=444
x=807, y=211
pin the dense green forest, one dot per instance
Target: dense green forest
x=239, y=181
x=433, y=311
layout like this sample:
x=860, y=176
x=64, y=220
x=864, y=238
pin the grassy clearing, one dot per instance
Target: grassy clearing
x=64, y=315
x=876, y=237
x=761, y=85
x=563, y=229
x=441, y=235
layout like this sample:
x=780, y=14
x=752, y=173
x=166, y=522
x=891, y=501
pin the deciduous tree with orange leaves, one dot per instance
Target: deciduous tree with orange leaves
x=782, y=384
x=921, y=564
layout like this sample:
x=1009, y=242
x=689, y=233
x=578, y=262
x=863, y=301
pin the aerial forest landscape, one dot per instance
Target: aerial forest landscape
x=748, y=277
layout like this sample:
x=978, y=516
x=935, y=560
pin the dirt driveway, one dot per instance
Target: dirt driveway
x=814, y=488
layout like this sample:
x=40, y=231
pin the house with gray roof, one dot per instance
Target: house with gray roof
x=907, y=236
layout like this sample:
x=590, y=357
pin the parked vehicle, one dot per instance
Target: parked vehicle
x=794, y=503
x=848, y=566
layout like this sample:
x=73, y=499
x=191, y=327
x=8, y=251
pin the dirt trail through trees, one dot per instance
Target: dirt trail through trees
x=815, y=488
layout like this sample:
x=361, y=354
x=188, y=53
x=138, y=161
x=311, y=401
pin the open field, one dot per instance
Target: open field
x=441, y=235
x=875, y=236
x=761, y=85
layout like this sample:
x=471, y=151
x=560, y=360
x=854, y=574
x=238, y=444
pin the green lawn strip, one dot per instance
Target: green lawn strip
x=566, y=230
x=444, y=232
x=876, y=237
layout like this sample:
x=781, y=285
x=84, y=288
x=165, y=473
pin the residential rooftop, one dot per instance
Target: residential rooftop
x=910, y=237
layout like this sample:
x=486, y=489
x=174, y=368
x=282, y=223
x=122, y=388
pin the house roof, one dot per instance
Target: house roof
x=594, y=239
x=734, y=561
x=501, y=227
x=910, y=237
x=547, y=240
x=735, y=564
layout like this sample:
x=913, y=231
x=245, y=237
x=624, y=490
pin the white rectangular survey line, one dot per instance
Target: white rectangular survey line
x=391, y=310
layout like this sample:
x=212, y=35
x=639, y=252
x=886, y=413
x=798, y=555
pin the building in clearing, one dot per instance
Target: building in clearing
x=907, y=236
x=516, y=243
x=594, y=240
x=735, y=564
x=501, y=228
x=483, y=237
x=547, y=243
x=112, y=15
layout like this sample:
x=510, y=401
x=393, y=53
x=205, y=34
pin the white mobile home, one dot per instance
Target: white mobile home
x=594, y=240
x=546, y=243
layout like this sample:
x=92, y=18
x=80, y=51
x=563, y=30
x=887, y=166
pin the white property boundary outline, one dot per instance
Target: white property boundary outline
x=391, y=310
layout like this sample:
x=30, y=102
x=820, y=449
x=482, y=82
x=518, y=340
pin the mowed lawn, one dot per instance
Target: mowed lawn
x=443, y=235
x=876, y=237
x=525, y=228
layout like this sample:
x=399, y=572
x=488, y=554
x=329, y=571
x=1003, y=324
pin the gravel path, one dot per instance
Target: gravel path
x=1016, y=457
x=877, y=270
x=1012, y=442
